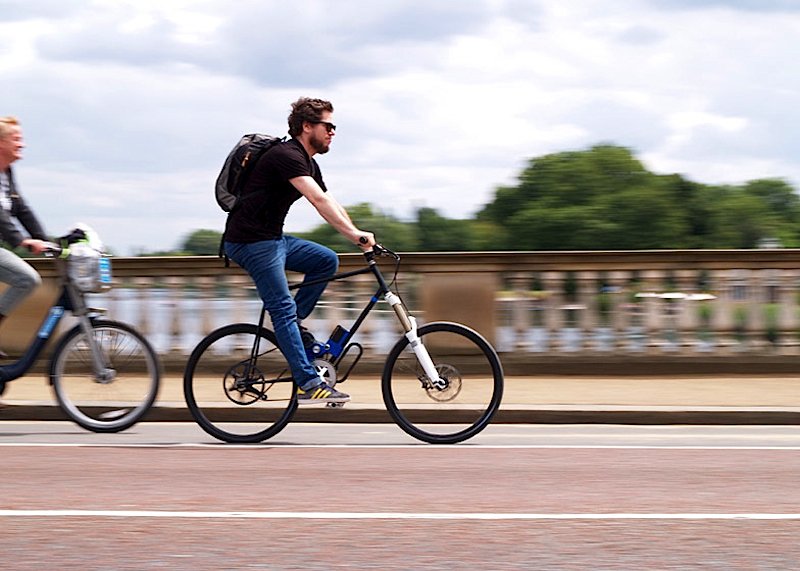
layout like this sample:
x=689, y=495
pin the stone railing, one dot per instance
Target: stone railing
x=564, y=304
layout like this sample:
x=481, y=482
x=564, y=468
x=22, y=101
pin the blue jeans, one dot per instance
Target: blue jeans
x=267, y=262
x=20, y=276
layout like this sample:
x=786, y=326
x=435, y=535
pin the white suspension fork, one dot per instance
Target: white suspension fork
x=410, y=326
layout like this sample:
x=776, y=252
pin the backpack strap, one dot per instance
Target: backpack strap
x=221, y=253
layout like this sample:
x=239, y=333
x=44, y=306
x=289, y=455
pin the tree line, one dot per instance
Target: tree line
x=602, y=198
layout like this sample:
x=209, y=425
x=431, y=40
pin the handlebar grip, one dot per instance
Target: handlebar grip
x=363, y=240
x=53, y=248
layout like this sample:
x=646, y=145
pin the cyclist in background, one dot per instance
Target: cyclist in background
x=254, y=237
x=21, y=278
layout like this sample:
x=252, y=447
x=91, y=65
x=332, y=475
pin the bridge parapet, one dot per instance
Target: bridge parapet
x=664, y=302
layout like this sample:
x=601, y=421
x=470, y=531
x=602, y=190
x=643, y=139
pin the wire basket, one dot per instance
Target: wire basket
x=89, y=269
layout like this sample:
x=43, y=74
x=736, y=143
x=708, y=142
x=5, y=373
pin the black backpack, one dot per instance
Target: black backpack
x=237, y=167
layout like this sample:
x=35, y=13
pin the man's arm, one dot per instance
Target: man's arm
x=333, y=212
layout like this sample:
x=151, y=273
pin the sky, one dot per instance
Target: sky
x=129, y=107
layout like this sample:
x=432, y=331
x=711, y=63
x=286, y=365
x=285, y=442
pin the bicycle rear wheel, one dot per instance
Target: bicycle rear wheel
x=121, y=394
x=462, y=406
x=238, y=385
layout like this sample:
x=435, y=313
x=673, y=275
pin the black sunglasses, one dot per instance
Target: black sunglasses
x=330, y=127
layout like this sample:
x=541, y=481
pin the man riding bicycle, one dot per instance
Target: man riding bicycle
x=254, y=237
x=14, y=271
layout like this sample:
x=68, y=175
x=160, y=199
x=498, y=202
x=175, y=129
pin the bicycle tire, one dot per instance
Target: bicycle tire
x=228, y=402
x=449, y=414
x=105, y=405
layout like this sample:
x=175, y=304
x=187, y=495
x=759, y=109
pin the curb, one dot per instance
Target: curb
x=517, y=415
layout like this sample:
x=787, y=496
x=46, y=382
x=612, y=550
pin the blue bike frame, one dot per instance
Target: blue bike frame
x=22, y=365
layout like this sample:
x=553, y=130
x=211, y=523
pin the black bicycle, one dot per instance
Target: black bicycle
x=442, y=382
x=105, y=375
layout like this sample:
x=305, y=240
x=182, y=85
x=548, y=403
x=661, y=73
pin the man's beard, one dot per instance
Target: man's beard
x=320, y=146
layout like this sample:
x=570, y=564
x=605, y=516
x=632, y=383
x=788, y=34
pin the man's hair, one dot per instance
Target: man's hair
x=306, y=109
x=7, y=126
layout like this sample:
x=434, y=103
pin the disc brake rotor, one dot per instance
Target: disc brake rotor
x=452, y=386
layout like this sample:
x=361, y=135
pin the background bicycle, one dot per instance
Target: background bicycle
x=441, y=382
x=105, y=375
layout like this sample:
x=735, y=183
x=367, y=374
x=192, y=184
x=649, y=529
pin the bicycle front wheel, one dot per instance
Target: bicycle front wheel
x=238, y=385
x=458, y=405
x=118, y=394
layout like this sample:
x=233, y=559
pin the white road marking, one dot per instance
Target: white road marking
x=394, y=515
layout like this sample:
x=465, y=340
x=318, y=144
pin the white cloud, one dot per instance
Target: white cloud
x=129, y=106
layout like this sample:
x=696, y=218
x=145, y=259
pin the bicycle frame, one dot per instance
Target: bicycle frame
x=70, y=300
x=465, y=384
x=408, y=322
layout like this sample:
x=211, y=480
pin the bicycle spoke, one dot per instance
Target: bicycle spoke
x=116, y=397
x=237, y=394
x=456, y=405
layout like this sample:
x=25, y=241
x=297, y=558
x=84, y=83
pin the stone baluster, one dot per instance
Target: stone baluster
x=569, y=311
x=238, y=290
x=205, y=285
x=552, y=282
x=540, y=335
x=685, y=318
x=520, y=303
x=785, y=310
x=652, y=308
x=756, y=306
x=772, y=297
x=791, y=311
x=111, y=301
x=705, y=312
x=143, y=287
x=599, y=311
x=632, y=314
x=722, y=306
x=741, y=293
x=586, y=297
x=174, y=298
x=616, y=298
x=583, y=303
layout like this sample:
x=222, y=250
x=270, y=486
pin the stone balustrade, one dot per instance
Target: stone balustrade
x=666, y=302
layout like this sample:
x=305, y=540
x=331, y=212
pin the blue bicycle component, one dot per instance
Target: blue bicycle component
x=105, y=374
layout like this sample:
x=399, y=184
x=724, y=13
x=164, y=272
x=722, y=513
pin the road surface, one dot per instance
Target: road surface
x=166, y=496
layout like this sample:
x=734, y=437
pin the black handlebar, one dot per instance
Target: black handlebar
x=378, y=251
x=56, y=249
x=52, y=249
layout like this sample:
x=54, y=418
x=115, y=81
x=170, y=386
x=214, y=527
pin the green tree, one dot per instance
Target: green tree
x=741, y=220
x=597, y=199
x=202, y=243
x=604, y=198
x=395, y=234
x=439, y=234
x=782, y=219
x=600, y=198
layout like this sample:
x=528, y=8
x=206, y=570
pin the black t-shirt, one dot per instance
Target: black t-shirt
x=268, y=194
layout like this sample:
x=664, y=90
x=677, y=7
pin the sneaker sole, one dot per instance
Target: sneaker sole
x=322, y=401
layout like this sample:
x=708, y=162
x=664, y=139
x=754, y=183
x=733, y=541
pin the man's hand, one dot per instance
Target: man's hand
x=366, y=240
x=34, y=245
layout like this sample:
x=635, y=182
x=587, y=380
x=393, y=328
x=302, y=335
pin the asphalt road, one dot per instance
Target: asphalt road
x=166, y=496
